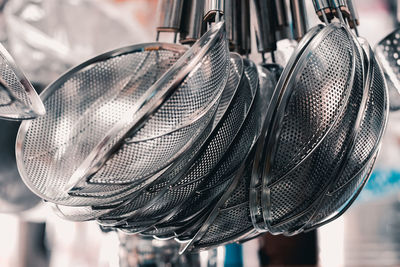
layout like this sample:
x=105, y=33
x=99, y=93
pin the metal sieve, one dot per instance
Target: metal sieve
x=291, y=200
x=387, y=52
x=211, y=165
x=137, y=197
x=122, y=79
x=18, y=98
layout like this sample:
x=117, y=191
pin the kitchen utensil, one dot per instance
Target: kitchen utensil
x=18, y=98
x=201, y=180
x=328, y=155
x=361, y=156
x=276, y=69
x=233, y=103
x=149, y=63
x=171, y=197
x=299, y=17
x=387, y=54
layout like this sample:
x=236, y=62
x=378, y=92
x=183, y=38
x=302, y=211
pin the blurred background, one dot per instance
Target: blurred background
x=46, y=37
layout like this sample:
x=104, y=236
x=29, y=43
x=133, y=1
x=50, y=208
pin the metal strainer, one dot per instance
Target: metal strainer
x=140, y=80
x=178, y=187
x=222, y=156
x=387, y=51
x=18, y=98
x=317, y=155
x=228, y=118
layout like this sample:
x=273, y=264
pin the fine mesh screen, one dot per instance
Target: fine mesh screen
x=116, y=84
x=319, y=92
x=77, y=118
x=360, y=162
x=217, y=144
x=387, y=51
x=298, y=190
x=18, y=100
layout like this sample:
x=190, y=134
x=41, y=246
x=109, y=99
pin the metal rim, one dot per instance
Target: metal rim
x=37, y=108
x=274, y=129
x=257, y=163
x=354, y=134
x=101, y=153
x=53, y=87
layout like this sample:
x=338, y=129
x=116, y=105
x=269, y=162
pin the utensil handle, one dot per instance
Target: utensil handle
x=323, y=10
x=282, y=30
x=265, y=32
x=340, y=9
x=355, y=19
x=213, y=10
x=281, y=15
x=192, y=21
x=170, y=12
x=244, y=45
x=299, y=16
x=237, y=19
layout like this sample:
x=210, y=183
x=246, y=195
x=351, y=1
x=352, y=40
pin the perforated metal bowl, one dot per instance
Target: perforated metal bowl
x=312, y=130
x=218, y=158
x=128, y=121
x=387, y=52
x=18, y=98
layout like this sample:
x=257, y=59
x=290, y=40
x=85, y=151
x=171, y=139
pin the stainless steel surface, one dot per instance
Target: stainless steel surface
x=282, y=30
x=265, y=32
x=254, y=198
x=281, y=13
x=387, y=54
x=283, y=209
x=192, y=21
x=299, y=16
x=237, y=18
x=249, y=135
x=152, y=61
x=177, y=187
x=213, y=10
x=170, y=13
x=18, y=98
x=311, y=145
x=230, y=220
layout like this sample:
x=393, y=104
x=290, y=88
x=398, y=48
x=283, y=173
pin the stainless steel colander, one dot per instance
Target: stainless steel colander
x=204, y=179
x=232, y=110
x=313, y=128
x=18, y=98
x=124, y=81
x=178, y=186
x=387, y=52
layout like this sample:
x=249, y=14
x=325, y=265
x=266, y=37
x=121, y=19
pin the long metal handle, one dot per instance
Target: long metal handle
x=340, y=9
x=281, y=15
x=299, y=16
x=237, y=19
x=192, y=21
x=231, y=22
x=244, y=45
x=265, y=32
x=323, y=10
x=213, y=10
x=170, y=12
x=282, y=29
x=354, y=20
